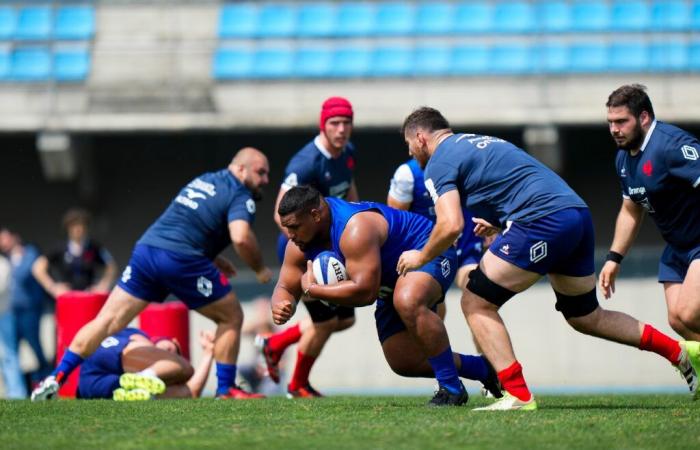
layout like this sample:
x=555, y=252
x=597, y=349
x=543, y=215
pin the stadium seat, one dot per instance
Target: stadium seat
x=553, y=58
x=71, y=65
x=392, y=61
x=474, y=17
x=432, y=60
x=670, y=15
x=628, y=57
x=669, y=56
x=238, y=21
x=554, y=16
x=694, y=56
x=74, y=22
x=590, y=15
x=232, y=63
x=511, y=59
x=313, y=62
x=34, y=23
x=5, y=63
x=356, y=19
x=273, y=62
x=588, y=57
x=514, y=17
x=470, y=60
x=630, y=15
x=395, y=19
x=277, y=20
x=695, y=15
x=351, y=62
x=30, y=64
x=434, y=18
x=8, y=22
x=317, y=20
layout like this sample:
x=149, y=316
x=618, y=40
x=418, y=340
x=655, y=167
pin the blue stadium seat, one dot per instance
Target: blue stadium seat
x=694, y=56
x=71, y=65
x=432, y=60
x=392, y=61
x=395, y=19
x=34, y=23
x=238, y=21
x=356, y=19
x=232, y=63
x=75, y=22
x=273, y=62
x=695, y=15
x=514, y=17
x=435, y=18
x=470, y=60
x=313, y=62
x=30, y=64
x=554, y=16
x=511, y=59
x=670, y=56
x=277, y=20
x=353, y=61
x=474, y=17
x=553, y=57
x=317, y=20
x=590, y=15
x=628, y=57
x=588, y=57
x=631, y=15
x=670, y=15
x=8, y=22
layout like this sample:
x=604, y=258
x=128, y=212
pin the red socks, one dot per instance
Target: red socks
x=280, y=341
x=512, y=381
x=655, y=341
x=301, y=371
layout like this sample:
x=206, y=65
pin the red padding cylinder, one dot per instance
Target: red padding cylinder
x=171, y=319
x=73, y=310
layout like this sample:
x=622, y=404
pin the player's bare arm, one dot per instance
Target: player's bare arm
x=288, y=288
x=246, y=245
x=391, y=201
x=360, y=244
x=449, y=225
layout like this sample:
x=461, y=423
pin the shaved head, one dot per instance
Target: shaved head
x=251, y=168
x=247, y=155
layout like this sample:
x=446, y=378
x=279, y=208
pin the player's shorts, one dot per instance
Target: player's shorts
x=561, y=243
x=674, y=263
x=443, y=269
x=153, y=273
x=321, y=312
x=469, y=249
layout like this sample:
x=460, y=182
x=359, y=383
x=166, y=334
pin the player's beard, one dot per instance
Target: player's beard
x=257, y=194
x=635, y=142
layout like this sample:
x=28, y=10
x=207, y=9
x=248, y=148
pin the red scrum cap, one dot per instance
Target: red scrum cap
x=333, y=107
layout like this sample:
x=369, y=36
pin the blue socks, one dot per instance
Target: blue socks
x=473, y=367
x=67, y=365
x=225, y=376
x=445, y=371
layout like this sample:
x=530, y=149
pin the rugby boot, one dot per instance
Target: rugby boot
x=689, y=365
x=236, y=393
x=46, y=390
x=303, y=392
x=443, y=397
x=153, y=385
x=510, y=403
x=131, y=395
x=272, y=359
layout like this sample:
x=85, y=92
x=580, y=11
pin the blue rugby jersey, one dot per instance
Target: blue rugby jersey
x=107, y=359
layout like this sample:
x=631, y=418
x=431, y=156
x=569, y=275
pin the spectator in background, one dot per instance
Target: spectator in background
x=9, y=358
x=75, y=264
x=26, y=296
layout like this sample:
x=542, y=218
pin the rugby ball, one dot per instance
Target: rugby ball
x=328, y=268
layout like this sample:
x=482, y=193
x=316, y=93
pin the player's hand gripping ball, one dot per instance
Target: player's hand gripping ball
x=328, y=268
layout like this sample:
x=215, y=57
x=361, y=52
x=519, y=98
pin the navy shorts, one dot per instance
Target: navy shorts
x=153, y=273
x=561, y=243
x=469, y=248
x=443, y=269
x=674, y=263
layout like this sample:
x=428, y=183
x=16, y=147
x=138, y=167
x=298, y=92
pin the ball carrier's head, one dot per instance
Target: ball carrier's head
x=305, y=215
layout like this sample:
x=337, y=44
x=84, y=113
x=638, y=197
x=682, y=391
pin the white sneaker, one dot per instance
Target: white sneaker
x=510, y=403
x=46, y=390
x=689, y=365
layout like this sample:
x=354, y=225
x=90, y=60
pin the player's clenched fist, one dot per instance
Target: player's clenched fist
x=282, y=311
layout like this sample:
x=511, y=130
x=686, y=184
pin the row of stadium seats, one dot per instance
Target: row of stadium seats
x=454, y=60
x=320, y=19
x=40, y=64
x=43, y=22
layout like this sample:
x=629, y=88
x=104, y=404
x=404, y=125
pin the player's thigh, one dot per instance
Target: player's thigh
x=120, y=309
x=463, y=274
x=572, y=286
x=404, y=355
x=417, y=289
x=225, y=310
x=138, y=357
x=506, y=274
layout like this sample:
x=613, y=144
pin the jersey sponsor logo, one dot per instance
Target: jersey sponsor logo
x=445, y=267
x=430, y=186
x=481, y=142
x=339, y=190
x=538, y=251
x=250, y=205
x=647, y=168
x=291, y=180
x=126, y=275
x=505, y=249
x=203, y=186
x=636, y=190
x=110, y=341
x=204, y=286
x=181, y=199
x=690, y=153
x=192, y=194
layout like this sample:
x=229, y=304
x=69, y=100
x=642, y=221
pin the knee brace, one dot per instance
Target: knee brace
x=480, y=285
x=576, y=305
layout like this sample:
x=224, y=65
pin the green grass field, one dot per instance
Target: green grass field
x=563, y=422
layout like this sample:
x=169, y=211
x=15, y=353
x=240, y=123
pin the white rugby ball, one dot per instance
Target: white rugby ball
x=328, y=268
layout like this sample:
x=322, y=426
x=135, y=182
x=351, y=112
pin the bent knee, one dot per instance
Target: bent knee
x=344, y=324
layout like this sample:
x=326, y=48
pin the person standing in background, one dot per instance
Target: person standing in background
x=9, y=358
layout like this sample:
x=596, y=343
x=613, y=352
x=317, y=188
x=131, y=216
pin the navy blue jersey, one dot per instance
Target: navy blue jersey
x=313, y=165
x=196, y=222
x=407, y=231
x=107, y=359
x=496, y=180
x=664, y=177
